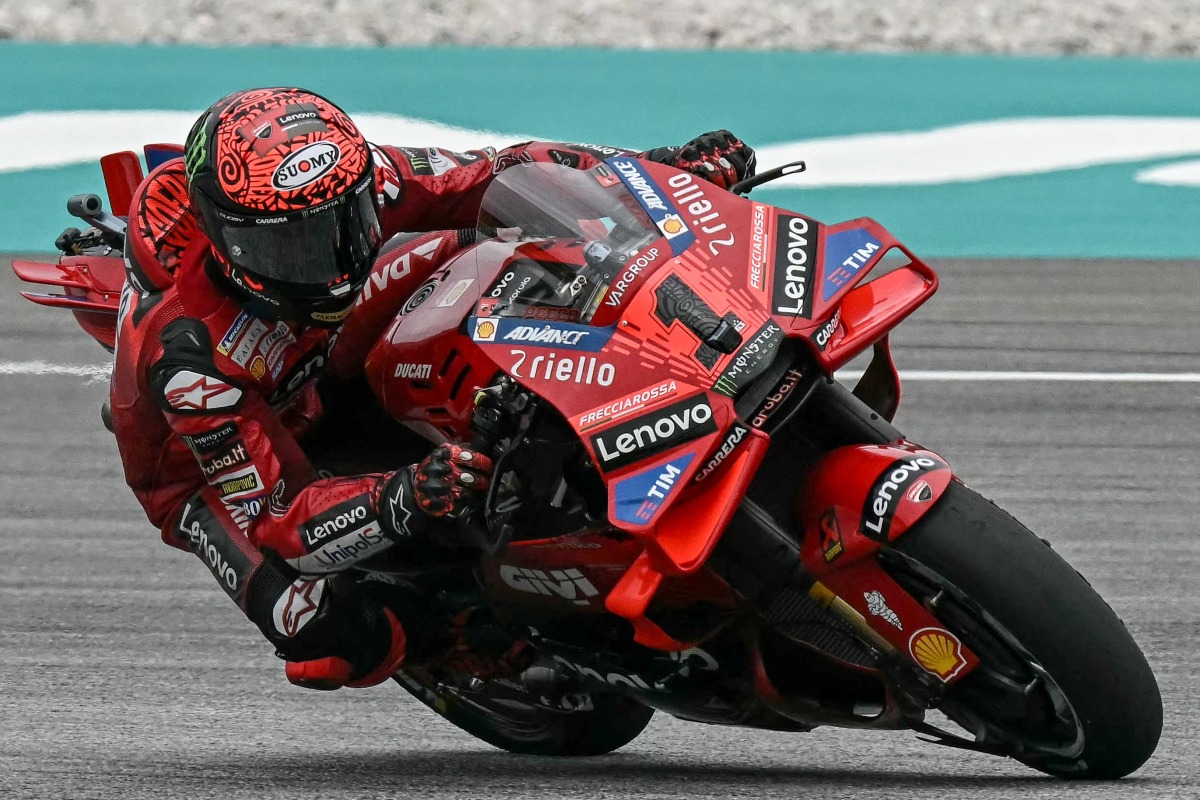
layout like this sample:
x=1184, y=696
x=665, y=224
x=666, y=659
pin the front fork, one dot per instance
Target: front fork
x=862, y=486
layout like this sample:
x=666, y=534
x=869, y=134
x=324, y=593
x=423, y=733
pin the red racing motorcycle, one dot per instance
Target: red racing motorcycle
x=690, y=513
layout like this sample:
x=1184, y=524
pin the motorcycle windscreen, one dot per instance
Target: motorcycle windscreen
x=571, y=233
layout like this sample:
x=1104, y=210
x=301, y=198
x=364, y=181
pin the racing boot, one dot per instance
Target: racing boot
x=329, y=630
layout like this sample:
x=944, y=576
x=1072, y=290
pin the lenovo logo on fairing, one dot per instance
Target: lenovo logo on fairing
x=795, y=256
x=884, y=496
x=653, y=433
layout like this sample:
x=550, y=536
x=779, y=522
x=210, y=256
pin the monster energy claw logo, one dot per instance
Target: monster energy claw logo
x=195, y=153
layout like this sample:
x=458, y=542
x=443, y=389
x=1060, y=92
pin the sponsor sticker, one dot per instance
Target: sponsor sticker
x=232, y=456
x=583, y=370
x=347, y=516
x=439, y=162
x=638, y=499
x=760, y=241
x=831, y=537
x=777, y=398
x=527, y=333
x=235, y=330
x=795, y=266
x=274, y=346
x=750, y=362
x=249, y=343
x=569, y=584
x=336, y=555
x=877, y=606
x=884, y=495
x=207, y=538
x=624, y=406
x=307, y=165
x=938, y=651
x=299, y=374
x=846, y=253
x=485, y=330
x=633, y=269
x=921, y=492
x=418, y=160
x=653, y=199
x=330, y=316
x=730, y=443
x=825, y=333
x=456, y=291
x=688, y=193
x=653, y=432
x=395, y=266
x=239, y=484
x=414, y=371
x=210, y=441
x=192, y=392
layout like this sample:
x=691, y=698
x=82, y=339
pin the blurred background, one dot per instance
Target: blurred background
x=957, y=124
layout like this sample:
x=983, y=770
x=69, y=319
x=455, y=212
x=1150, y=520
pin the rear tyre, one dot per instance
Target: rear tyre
x=1062, y=687
x=531, y=728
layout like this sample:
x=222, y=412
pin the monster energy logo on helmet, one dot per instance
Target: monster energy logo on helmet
x=196, y=149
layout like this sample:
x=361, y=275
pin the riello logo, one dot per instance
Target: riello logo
x=306, y=165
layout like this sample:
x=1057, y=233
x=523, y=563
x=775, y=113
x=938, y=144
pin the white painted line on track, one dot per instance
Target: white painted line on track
x=45, y=368
x=102, y=371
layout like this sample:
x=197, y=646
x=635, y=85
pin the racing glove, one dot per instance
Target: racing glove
x=450, y=482
x=718, y=156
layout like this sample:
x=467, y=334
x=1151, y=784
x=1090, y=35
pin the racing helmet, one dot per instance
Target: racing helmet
x=282, y=184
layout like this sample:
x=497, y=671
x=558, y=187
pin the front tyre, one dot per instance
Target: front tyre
x=1062, y=685
x=605, y=722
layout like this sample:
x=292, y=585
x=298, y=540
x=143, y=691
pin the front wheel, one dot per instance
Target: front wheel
x=1062, y=685
x=519, y=722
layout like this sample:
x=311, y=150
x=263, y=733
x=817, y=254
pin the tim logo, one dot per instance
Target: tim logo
x=569, y=584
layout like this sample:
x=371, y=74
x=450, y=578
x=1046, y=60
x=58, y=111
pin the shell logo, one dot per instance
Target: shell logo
x=672, y=225
x=485, y=330
x=258, y=367
x=938, y=651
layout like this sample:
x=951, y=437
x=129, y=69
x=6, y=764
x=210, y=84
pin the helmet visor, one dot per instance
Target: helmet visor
x=315, y=246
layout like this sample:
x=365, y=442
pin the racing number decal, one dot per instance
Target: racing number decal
x=675, y=300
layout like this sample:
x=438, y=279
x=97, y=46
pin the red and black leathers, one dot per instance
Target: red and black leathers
x=211, y=404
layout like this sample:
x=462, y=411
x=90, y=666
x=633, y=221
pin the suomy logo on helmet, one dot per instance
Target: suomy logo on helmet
x=306, y=165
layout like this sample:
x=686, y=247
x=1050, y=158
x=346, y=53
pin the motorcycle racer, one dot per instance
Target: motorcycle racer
x=263, y=264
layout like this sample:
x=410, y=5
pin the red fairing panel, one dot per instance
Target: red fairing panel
x=856, y=499
x=866, y=495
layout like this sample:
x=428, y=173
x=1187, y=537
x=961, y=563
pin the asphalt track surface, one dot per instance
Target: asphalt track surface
x=125, y=673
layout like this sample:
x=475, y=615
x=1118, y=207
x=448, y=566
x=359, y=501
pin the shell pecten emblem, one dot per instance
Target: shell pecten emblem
x=485, y=330
x=938, y=651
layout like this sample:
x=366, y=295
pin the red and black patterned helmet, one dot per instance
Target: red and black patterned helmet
x=282, y=184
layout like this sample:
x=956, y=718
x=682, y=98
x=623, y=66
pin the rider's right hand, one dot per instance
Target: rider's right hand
x=450, y=482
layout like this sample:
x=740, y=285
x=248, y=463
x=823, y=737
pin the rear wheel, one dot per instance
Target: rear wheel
x=519, y=722
x=1062, y=685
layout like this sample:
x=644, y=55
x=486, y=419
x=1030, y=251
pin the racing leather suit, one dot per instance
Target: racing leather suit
x=211, y=405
